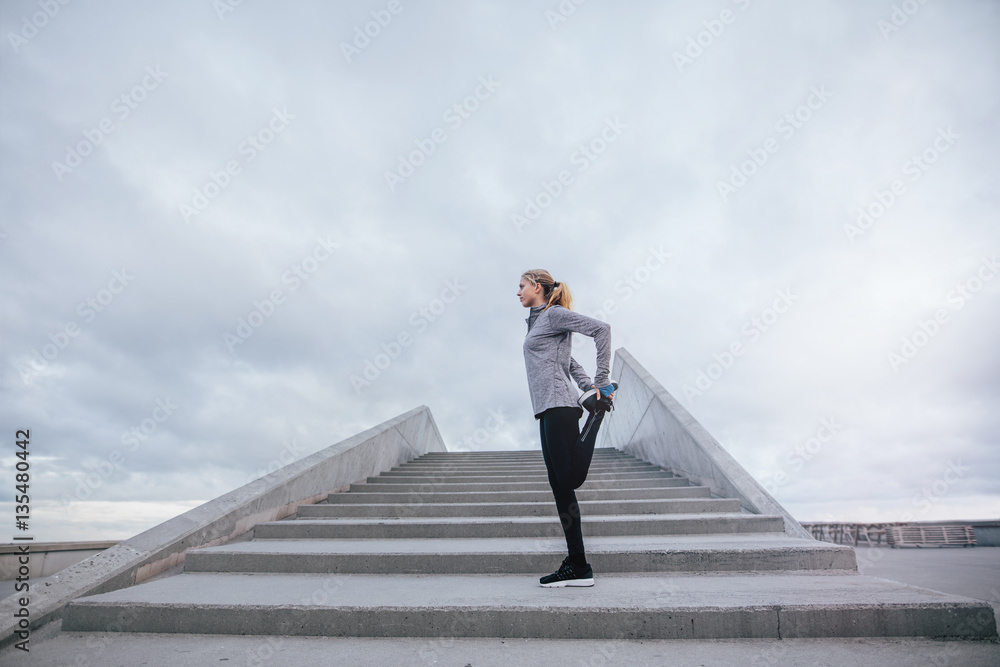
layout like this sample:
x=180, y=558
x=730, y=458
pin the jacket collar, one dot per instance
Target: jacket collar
x=535, y=312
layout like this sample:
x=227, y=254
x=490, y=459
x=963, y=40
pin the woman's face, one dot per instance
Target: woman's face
x=530, y=295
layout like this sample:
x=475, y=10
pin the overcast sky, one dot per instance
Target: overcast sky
x=215, y=217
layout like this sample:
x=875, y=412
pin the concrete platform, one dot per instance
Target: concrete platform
x=618, y=607
x=519, y=455
x=366, y=496
x=396, y=478
x=969, y=572
x=587, y=508
x=681, y=553
x=435, y=527
x=972, y=572
x=187, y=650
x=495, y=475
x=398, y=486
x=596, y=466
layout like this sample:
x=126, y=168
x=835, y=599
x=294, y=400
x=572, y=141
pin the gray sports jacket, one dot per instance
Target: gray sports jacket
x=548, y=356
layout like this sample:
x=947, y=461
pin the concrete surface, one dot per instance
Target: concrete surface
x=800, y=603
x=223, y=519
x=587, y=507
x=641, y=553
x=412, y=476
x=652, y=425
x=681, y=606
x=967, y=572
x=435, y=527
x=970, y=571
x=47, y=558
x=625, y=493
x=185, y=650
x=703, y=584
x=541, y=485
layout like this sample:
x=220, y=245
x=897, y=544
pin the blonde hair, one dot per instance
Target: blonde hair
x=556, y=294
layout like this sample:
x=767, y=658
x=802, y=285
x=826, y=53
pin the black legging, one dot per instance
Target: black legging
x=567, y=454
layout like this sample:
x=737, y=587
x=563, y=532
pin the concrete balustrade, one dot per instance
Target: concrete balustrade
x=651, y=425
x=219, y=521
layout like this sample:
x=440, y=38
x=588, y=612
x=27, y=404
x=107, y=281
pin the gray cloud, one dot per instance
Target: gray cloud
x=655, y=188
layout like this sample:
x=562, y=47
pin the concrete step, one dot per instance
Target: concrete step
x=450, y=465
x=479, y=479
x=676, y=553
x=431, y=527
x=404, y=486
x=508, y=454
x=514, y=606
x=516, y=476
x=195, y=650
x=512, y=470
x=416, y=497
x=587, y=508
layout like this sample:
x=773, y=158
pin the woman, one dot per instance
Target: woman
x=549, y=363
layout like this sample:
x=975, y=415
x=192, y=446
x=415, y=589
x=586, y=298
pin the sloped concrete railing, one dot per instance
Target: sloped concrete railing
x=218, y=521
x=650, y=424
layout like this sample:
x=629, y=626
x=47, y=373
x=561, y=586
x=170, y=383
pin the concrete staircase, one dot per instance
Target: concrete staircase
x=452, y=545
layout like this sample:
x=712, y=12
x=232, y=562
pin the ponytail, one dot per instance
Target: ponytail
x=556, y=294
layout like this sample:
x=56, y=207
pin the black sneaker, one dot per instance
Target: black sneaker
x=593, y=400
x=569, y=575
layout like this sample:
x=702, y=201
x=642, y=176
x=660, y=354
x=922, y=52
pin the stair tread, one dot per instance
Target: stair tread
x=612, y=592
x=486, y=545
x=599, y=518
x=582, y=503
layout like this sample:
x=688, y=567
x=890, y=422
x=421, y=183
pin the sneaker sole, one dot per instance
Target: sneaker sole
x=569, y=582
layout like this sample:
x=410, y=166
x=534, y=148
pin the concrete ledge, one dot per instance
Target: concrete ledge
x=588, y=507
x=514, y=496
x=651, y=425
x=667, y=606
x=589, y=485
x=47, y=558
x=510, y=527
x=218, y=521
x=198, y=650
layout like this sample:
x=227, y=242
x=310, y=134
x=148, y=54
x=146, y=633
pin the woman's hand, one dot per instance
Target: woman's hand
x=607, y=392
